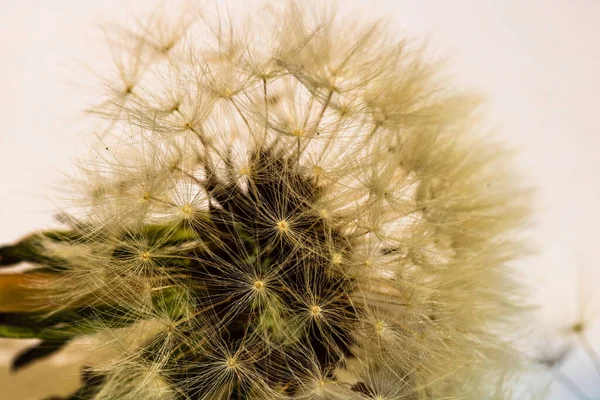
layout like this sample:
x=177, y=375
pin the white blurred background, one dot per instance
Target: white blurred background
x=537, y=60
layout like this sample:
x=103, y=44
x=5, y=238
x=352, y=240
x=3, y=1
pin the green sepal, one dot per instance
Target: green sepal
x=64, y=324
x=44, y=349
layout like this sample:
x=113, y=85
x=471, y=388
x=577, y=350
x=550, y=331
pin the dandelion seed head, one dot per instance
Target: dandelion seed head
x=292, y=207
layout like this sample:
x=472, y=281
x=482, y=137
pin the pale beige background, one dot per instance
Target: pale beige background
x=539, y=61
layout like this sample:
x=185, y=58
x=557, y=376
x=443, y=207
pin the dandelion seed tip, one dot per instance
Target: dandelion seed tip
x=578, y=327
x=245, y=170
x=336, y=258
x=166, y=48
x=226, y=93
x=298, y=132
x=231, y=363
x=258, y=285
x=379, y=326
x=175, y=107
x=379, y=118
x=170, y=327
x=145, y=256
x=283, y=226
x=146, y=196
x=315, y=310
x=368, y=262
x=323, y=213
x=187, y=210
x=173, y=166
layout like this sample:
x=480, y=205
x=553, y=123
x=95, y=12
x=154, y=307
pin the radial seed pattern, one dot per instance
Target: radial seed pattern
x=294, y=208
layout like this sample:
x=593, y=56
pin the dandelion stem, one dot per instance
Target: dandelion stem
x=568, y=384
x=373, y=131
x=168, y=203
x=325, y=105
x=241, y=115
x=192, y=177
x=309, y=108
x=200, y=137
x=266, y=106
x=589, y=350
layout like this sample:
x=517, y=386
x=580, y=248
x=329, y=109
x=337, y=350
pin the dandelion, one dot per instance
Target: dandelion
x=556, y=351
x=295, y=208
